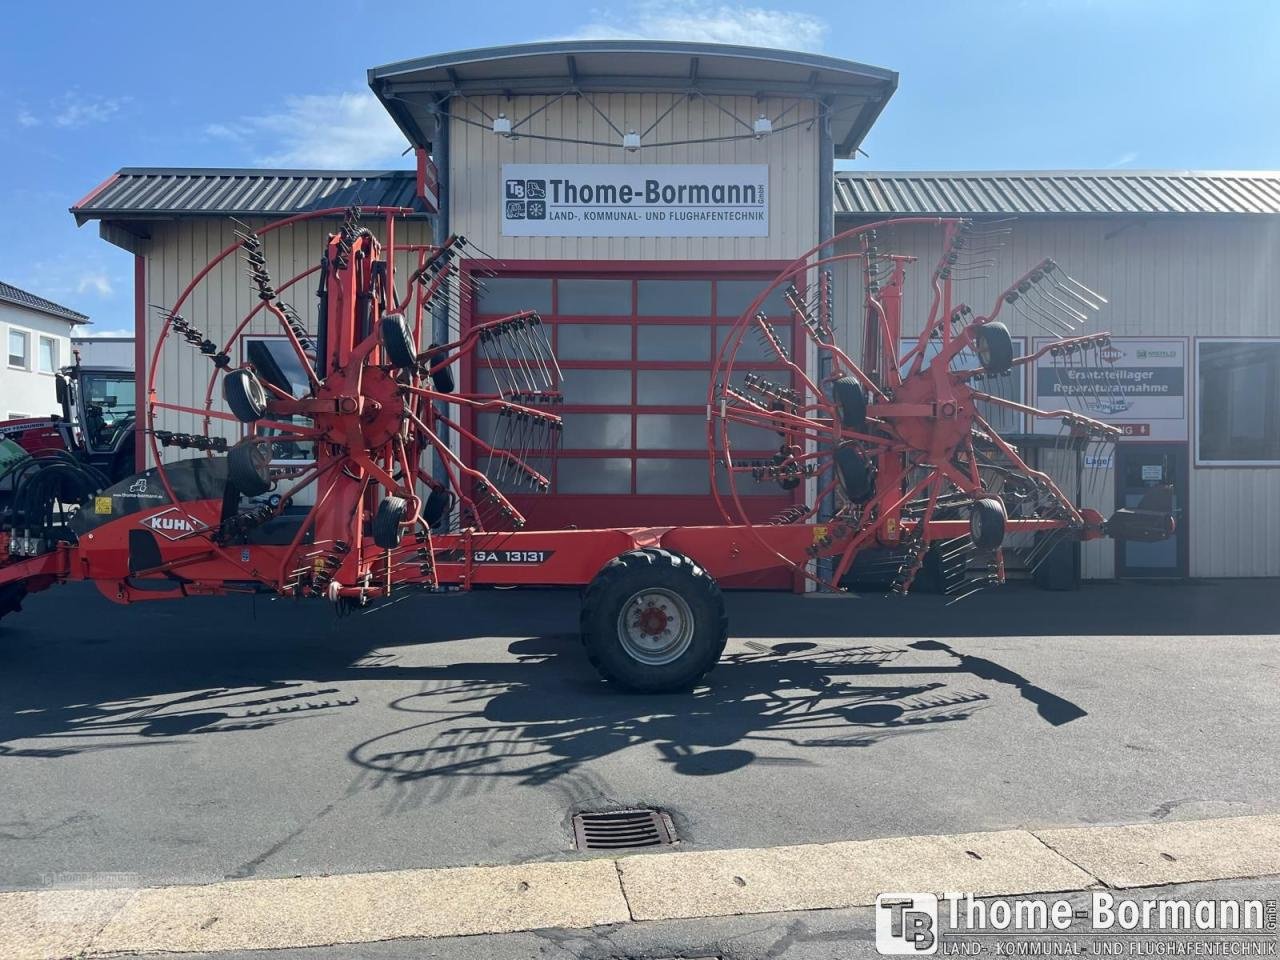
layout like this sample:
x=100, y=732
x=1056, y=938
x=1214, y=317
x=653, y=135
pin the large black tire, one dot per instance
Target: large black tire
x=986, y=523
x=249, y=466
x=856, y=471
x=397, y=341
x=245, y=395
x=636, y=595
x=442, y=379
x=438, y=505
x=386, y=522
x=994, y=347
x=851, y=401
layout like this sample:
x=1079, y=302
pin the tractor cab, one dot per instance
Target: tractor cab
x=101, y=402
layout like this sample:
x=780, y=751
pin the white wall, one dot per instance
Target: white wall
x=28, y=390
x=1163, y=276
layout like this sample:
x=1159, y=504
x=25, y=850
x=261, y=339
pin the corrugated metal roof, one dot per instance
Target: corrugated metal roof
x=1057, y=192
x=137, y=193
x=15, y=295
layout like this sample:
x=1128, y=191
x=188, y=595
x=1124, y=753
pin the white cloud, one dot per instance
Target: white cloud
x=74, y=109
x=96, y=281
x=350, y=130
x=1124, y=160
x=710, y=22
x=90, y=332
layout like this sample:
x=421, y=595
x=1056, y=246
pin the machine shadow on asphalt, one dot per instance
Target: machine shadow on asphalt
x=848, y=674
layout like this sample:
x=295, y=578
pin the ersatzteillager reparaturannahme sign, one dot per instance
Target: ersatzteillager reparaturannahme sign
x=635, y=200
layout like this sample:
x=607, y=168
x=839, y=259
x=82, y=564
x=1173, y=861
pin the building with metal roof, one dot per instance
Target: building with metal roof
x=417, y=92
x=153, y=193
x=638, y=194
x=1090, y=193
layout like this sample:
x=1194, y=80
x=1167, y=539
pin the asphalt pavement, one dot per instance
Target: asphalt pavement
x=209, y=739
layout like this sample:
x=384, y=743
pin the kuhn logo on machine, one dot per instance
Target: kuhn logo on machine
x=173, y=525
x=1112, y=354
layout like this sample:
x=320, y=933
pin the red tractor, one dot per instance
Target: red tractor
x=330, y=470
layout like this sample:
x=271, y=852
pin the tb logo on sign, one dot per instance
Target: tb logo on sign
x=907, y=923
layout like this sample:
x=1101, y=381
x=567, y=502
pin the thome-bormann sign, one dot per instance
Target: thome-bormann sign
x=635, y=200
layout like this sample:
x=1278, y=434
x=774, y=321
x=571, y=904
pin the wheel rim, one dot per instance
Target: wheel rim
x=655, y=627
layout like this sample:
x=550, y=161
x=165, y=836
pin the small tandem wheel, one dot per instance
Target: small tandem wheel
x=653, y=621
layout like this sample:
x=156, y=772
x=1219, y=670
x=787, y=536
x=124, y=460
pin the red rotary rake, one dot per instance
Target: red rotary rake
x=328, y=468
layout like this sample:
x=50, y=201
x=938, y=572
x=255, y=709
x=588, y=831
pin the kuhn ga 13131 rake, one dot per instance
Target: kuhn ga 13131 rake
x=332, y=470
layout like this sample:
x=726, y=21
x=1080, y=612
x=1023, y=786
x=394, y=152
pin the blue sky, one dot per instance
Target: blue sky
x=88, y=87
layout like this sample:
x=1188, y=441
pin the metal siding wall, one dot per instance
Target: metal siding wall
x=178, y=250
x=1163, y=276
x=477, y=155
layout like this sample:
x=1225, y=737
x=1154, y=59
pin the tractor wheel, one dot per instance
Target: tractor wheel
x=387, y=530
x=851, y=401
x=653, y=621
x=249, y=466
x=857, y=473
x=397, y=341
x=244, y=395
x=994, y=347
x=986, y=523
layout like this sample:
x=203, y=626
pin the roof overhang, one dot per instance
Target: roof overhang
x=414, y=90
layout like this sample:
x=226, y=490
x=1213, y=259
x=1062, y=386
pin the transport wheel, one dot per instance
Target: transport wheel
x=857, y=475
x=244, y=395
x=653, y=621
x=249, y=466
x=994, y=347
x=851, y=401
x=986, y=523
x=397, y=341
x=386, y=522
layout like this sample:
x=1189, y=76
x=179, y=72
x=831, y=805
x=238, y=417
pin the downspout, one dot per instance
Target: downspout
x=439, y=233
x=826, y=230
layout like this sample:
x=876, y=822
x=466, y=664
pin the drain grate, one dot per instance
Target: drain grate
x=615, y=829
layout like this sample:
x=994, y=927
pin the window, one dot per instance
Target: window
x=48, y=355
x=275, y=360
x=109, y=404
x=18, y=344
x=1238, y=386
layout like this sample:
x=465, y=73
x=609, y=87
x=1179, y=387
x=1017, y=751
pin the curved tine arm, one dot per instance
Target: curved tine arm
x=1021, y=466
x=294, y=342
x=497, y=451
x=446, y=454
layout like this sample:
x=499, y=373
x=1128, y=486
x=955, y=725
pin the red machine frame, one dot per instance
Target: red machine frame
x=373, y=421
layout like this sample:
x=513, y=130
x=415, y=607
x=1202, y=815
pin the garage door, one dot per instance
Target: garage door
x=636, y=350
